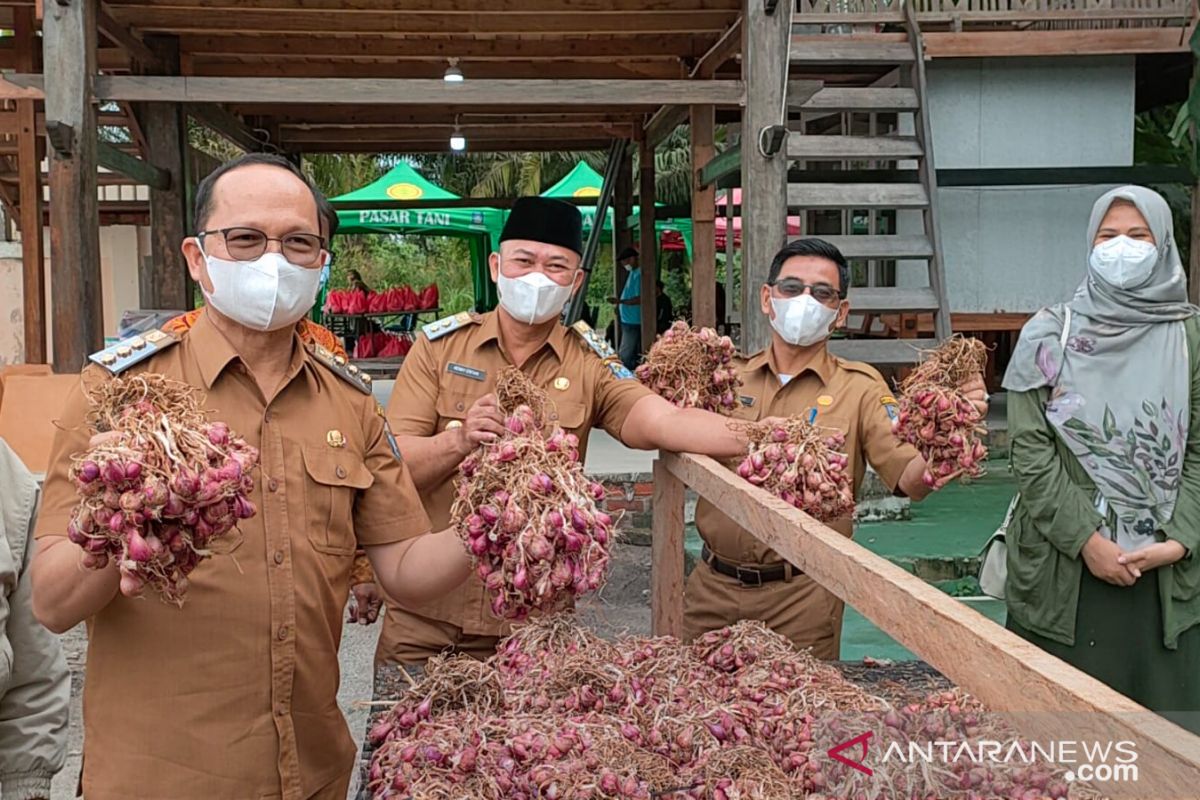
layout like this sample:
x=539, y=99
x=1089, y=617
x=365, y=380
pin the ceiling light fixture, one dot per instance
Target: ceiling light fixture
x=458, y=142
x=453, y=74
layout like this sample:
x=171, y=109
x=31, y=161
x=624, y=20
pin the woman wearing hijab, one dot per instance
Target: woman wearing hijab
x=1104, y=416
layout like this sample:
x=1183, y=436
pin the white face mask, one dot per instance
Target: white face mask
x=266, y=294
x=802, y=320
x=1123, y=262
x=532, y=298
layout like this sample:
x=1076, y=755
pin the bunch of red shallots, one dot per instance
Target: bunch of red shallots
x=527, y=513
x=692, y=368
x=166, y=492
x=801, y=464
x=936, y=417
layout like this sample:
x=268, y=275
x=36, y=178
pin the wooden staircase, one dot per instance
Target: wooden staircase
x=877, y=83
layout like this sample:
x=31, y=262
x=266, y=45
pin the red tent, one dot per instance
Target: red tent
x=673, y=240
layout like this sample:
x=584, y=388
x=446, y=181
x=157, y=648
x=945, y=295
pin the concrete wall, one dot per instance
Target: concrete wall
x=1016, y=249
x=121, y=248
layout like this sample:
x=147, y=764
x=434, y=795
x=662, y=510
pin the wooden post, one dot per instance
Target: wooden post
x=1194, y=249
x=649, y=242
x=162, y=279
x=622, y=235
x=764, y=180
x=704, y=229
x=29, y=172
x=77, y=311
x=666, y=554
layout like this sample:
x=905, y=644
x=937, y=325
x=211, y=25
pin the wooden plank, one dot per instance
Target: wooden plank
x=764, y=179
x=704, y=231
x=69, y=54
x=870, y=98
x=408, y=92
x=856, y=148
x=1194, y=252
x=844, y=50
x=163, y=279
x=121, y=34
x=928, y=170
x=728, y=46
x=29, y=168
x=137, y=170
x=443, y=7
x=226, y=123
x=663, y=123
x=892, y=299
x=727, y=162
x=647, y=244
x=888, y=352
x=880, y=247
x=1107, y=41
x=666, y=554
x=17, y=91
x=1043, y=697
x=513, y=145
x=425, y=48
x=402, y=22
x=305, y=67
x=856, y=195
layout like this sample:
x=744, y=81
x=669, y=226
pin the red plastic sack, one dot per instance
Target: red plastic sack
x=356, y=303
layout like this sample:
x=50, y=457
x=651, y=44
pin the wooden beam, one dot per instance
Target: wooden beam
x=513, y=145
x=226, y=123
x=163, y=279
x=648, y=244
x=727, y=162
x=121, y=34
x=1089, y=41
x=728, y=46
x=404, y=23
x=1194, y=247
x=1041, y=696
x=443, y=7
x=663, y=123
x=704, y=232
x=69, y=47
x=764, y=179
x=301, y=136
x=298, y=114
x=29, y=168
x=666, y=554
x=303, y=67
x=137, y=170
x=500, y=48
x=17, y=91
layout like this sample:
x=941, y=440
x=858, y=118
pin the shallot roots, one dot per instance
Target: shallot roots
x=559, y=713
x=527, y=513
x=801, y=464
x=692, y=368
x=165, y=492
x=935, y=416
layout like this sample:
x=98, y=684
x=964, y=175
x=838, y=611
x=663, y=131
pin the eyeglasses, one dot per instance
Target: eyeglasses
x=247, y=244
x=821, y=292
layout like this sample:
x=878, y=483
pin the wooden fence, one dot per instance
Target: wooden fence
x=1045, y=697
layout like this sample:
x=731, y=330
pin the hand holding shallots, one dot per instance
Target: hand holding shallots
x=527, y=513
x=801, y=464
x=942, y=407
x=692, y=368
x=161, y=487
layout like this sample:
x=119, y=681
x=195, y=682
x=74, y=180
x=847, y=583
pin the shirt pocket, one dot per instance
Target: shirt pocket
x=452, y=408
x=570, y=415
x=333, y=477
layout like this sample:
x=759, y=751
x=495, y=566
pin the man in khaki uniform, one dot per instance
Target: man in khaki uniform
x=740, y=577
x=234, y=695
x=442, y=406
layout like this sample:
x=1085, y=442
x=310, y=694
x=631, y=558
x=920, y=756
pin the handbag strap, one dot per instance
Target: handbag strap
x=1066, y=332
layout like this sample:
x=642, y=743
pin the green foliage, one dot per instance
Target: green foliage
x=1164, y=136
x=386, y=261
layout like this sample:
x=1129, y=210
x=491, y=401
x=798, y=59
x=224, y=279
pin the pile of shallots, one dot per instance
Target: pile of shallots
x=692, y=368
x=936, y=417
x=559, y=713
x=801, y=464
x=527, y=513
x=162, y=495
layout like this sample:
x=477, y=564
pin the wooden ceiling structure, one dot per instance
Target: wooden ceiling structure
x=311, y=76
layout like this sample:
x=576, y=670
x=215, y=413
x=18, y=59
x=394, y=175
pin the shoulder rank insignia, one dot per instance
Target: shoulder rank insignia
x=889, y=405
x=124, y=354
x=342, y=368
x=600, y=346
x=436, y=330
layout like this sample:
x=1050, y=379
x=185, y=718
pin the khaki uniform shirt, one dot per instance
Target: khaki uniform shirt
x=439, y=382
x=848, y=396
x=235, y=694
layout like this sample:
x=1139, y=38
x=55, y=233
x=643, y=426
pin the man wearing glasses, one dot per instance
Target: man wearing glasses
x=234, y=695
x=742, y=578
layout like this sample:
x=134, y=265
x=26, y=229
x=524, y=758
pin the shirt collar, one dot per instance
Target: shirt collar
x=822, y=365
x=214, y=352
x=489, y=330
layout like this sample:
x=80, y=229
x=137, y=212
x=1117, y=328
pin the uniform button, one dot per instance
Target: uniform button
x=278, y=556
x=460, y=406
x=273, y=485
x=554, y=415
x=340, y=472
x=267, y=417
x=280, y=711
x=283, y=632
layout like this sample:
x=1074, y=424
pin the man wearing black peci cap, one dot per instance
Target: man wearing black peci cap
x=443, y=405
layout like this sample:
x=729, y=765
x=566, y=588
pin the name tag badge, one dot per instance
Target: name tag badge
x=466, y=372
x=747, y=401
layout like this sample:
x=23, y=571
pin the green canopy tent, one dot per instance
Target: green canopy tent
x=479, y=226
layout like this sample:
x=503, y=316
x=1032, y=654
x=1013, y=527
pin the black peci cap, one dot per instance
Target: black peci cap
x=543, y=219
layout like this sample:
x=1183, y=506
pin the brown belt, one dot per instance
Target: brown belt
x=748, y=576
